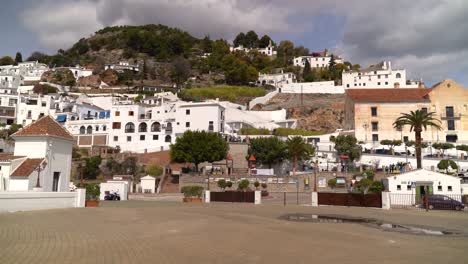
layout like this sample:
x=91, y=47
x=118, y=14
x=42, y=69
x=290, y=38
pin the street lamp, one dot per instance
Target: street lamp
x=39, y=168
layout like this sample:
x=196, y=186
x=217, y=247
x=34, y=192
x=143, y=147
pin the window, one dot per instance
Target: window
x=375, y=137
x=398, y=75
x=386, y=76
x=449, y=111
x=169, y=126
x=405, y=139
x=347, y=85
x=451, y=124
x=408, y=187
x=142, y=137
x=386, y=83
x=187, y=124
x=104, y=128
x=398, y=187
x=129, y=138
x=378, y=83
x=117, y=113
x=82, y=130
x=424, y=110
x=155, y=137
x=143, y=127
x=439, y=188
x=55, y=181
x=168, y=138
x=89, y=130
x=96, y=128
x=374, y=111
x=378, y=76
x=375, y=126
x=187, y=111
x=130, y=113
x=116, y=125
x=449, y=188
x=129, y=128
x=364, y=84
x=210, y=126
x=156, y=127
x=43, y=104
x=116, y=138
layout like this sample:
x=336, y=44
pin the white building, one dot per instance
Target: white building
x=42, y=149
x=268, y=50
x=316, y=60
x=121, y=66
x=377, y=76
x=28, y=71
x=276, y=79
x=148, y=184
x=411, y=184
x=78, y=71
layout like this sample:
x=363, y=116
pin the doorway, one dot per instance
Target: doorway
x=55, y=181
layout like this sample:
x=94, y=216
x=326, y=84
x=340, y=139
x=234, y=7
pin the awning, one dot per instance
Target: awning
x=102, y=114
x=61, y=118
x=108, y=114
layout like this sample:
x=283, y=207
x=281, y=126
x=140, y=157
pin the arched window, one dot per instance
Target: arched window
x=82, y=130
x=143, y=127
x=398, y=75
x=156, y=127
x=168, y=138
x=129, y=128
x=169, y=126
x=89, y=130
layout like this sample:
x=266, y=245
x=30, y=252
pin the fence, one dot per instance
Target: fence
x=433, y=202
x=350, y=199
x=288, y=198
x=232, y=197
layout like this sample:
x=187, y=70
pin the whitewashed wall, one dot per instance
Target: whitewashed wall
x=312, y=88
x=263, y=99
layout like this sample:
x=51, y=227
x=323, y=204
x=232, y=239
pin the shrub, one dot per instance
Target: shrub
x=229, y=93
x=222, y=184
x=93, y=191
x=243, y=184
x=254, y=131
x=192, y=191
x=332, y=183
x=256, y=184
x=154, y=170
x=228, y=184
x=264, y=185
x=370, y=174
x=283, y=132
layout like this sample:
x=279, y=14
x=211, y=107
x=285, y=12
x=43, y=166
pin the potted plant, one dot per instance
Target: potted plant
x=243, y=185
x=92, y=195
x=256, y=185
x=192, y=193
x=264, y=191
x=229, y=184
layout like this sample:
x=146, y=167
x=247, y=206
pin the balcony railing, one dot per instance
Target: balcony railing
x=450, y=117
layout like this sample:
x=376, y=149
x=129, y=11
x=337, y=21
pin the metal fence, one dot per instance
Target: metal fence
x=288, y=198
x=455, y=202
x=350, y=199
x=233, y=197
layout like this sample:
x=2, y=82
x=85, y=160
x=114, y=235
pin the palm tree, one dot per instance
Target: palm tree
x=298, y=149
x=417, y=120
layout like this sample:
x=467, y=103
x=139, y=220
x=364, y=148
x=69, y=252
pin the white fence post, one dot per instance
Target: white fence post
x=258, y=197
x=314, y=199
x=386, y=200
x=80, y=197
x=207, y=196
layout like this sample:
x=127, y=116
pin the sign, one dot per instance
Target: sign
x=413, y=185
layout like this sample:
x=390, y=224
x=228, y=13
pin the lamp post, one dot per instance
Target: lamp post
x=365, y=126
x=39, y=168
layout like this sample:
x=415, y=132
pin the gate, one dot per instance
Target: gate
x=233, y=197
x=350, y=199
x=288, y=198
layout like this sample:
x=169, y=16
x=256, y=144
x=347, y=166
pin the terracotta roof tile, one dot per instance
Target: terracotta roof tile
x=9, y=156
x=391, y=95
x=45, y=126
x=26, y=168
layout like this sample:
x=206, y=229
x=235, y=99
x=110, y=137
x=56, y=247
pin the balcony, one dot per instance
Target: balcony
x=444, y=116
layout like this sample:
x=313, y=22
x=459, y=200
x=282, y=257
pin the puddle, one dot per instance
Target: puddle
x=385, y=226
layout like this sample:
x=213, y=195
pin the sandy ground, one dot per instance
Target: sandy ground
x=170, y=232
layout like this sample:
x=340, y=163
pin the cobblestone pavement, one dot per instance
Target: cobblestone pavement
x=167, y=232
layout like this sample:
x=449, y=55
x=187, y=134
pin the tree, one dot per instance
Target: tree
x=180, y=70
x=228, y=184
x=462, y=148
x=237, y=71
x=442, y=147
x=367, y=185
x=251, y=39
x=267, y=150
x=243, y=184
x=298, y=149
x=154, y=169
x=347, y=145
x=38, y=56
x=256, y=185
x=91, y=169
x=446, y=164
x=207, y=44
x=197, y=147
x=417, y=120
x=7, y=60
x=307, y=73
x=239, y=40
x=18, y=58
x=222, y=184
x=332, y=183
x=412, y=143
x=391, y=143
x=285, y=52
x=265, y=41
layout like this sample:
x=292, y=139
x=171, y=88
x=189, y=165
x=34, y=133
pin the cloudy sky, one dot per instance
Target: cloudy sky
x=427, y=37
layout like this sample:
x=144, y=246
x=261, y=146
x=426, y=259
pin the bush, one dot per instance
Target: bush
x=332, y=183
x=264, y=185
x=154, y=170
x=243, y=184
x=256, y=184
x=192, y=191
x=370, y=174
x=228, y=184
x=283, y=132
x=254, y=131
x=222, y=184
x=229, y=93
x=93, y=191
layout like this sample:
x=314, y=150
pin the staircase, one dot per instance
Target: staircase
x=170, y=185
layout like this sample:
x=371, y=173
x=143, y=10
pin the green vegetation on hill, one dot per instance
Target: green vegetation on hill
x=230, y=93
x=283, y=132
x=254, y=131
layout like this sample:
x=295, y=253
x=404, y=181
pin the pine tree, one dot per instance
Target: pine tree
x=307, y=72
x=18, y=57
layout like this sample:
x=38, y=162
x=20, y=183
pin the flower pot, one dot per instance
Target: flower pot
x=91, y=203
x=192, y=200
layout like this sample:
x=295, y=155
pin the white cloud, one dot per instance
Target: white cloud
x=424, y=36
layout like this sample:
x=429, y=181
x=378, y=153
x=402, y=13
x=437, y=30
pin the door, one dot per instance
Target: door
x=55, y=181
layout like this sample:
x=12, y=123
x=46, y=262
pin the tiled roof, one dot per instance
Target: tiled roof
x=27, y=167
x=8, y=156
x=45, y=126
x=391, y=95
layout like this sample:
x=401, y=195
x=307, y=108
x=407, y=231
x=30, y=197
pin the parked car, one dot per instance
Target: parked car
x=444, y=202
x=112, y=196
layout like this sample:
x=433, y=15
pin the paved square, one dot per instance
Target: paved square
x=164, y=232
